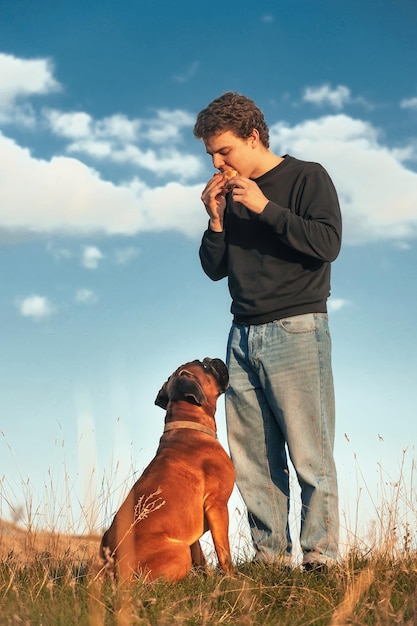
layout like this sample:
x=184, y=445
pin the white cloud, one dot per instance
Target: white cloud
x=171, y=207
x=71, y=125
x=166, y=162
x=91, y=257
x=410, y=103
x=377, y=192
x=63, y=195
x=36, y=307
x=324, y=94
x=96, y=149
x=267, y=18
x=336, y=304
x=19, y=79
x=188, y=74
x=22, y=115
x=121, y=140
x=164, y=126
x=85, y=296
x=125, y=255
x=167, y=125
x=336, y=98
x=405, y=153
x=80, y=125
x=118, y=126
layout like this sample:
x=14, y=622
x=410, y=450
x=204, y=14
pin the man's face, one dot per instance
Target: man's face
x=231, y=152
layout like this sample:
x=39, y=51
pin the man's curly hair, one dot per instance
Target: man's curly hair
x=231, y=112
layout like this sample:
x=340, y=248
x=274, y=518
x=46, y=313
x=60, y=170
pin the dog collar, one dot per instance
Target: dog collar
x=192, y=426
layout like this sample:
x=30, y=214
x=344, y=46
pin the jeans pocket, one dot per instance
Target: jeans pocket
x=298, y=324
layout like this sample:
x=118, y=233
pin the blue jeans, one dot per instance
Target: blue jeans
x=281, y=400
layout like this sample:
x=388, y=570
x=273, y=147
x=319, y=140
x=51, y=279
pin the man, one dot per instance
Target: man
x=273, y=231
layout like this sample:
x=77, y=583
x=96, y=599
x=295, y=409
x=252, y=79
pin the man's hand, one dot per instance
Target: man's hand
x=242, y=189
x=214, y=199
x=248, y=193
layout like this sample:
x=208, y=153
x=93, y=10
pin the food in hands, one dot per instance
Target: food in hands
x=229, y=174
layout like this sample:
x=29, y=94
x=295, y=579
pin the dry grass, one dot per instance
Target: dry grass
x=25, y=547
x=52, y=578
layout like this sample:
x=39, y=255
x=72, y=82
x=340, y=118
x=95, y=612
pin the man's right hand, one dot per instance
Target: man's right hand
x=214, y=199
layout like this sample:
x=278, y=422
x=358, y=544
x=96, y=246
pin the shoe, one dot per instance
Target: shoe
x=315, y=561
x=320, y=568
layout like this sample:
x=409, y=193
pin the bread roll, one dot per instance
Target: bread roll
x=228, y=174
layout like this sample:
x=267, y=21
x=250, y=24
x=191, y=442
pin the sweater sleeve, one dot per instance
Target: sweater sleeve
x=213, y=254
x=313, y=225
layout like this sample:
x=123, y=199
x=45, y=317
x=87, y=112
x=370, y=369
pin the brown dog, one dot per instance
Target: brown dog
x=184, y=491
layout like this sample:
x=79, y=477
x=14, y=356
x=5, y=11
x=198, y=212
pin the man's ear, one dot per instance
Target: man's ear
x=254, y=138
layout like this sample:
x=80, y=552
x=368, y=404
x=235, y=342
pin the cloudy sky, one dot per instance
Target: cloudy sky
x=102, y=294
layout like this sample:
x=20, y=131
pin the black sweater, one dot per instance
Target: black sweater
x=278, y=262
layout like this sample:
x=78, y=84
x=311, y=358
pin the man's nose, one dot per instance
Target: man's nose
x=218, y=161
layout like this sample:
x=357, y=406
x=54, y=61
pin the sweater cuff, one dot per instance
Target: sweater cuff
x=214, y=237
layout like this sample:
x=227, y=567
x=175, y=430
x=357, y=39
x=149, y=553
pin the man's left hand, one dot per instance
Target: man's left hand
x=248, y=193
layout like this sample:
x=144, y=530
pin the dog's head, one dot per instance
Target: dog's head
x=195, y=382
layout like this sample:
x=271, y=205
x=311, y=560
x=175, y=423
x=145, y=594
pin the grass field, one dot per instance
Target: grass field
x=59, y=585
x=52, y=578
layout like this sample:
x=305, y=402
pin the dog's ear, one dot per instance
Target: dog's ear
x=219, y=371
x=162, y=398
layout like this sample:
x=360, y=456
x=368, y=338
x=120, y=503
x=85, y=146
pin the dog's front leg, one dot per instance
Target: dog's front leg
x=218, y=522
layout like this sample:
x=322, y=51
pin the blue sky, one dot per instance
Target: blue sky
x=100, y=222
